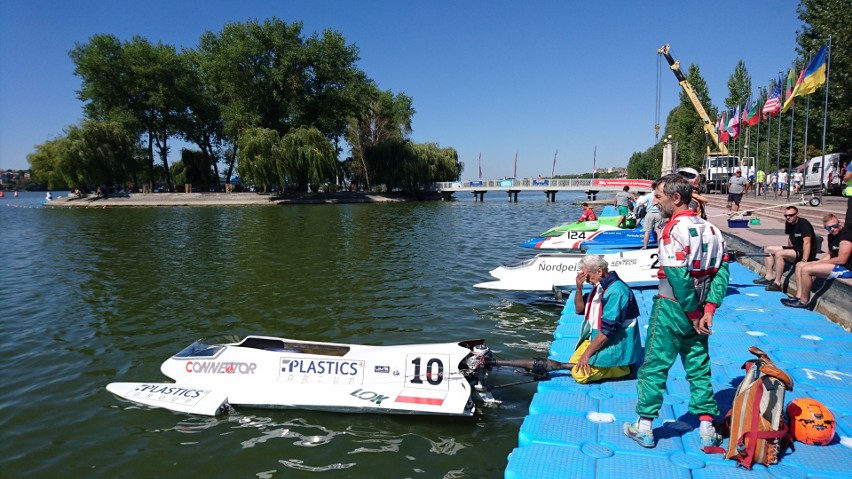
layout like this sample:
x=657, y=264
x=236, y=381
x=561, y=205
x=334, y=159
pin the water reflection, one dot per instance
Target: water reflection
x=93, y=296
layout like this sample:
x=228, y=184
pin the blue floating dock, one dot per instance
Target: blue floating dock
x=574, y=430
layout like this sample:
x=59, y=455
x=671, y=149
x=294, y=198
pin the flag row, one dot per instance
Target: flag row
x=811, y=77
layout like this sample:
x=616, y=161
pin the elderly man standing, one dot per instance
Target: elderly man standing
x=609, y=341
x=836, y=264
x=693, y=281
x=801, y=246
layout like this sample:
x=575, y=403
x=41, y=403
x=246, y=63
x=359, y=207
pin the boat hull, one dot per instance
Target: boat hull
x=269, y=372
x=549, y=271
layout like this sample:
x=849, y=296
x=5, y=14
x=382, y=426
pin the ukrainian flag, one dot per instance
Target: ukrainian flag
x=814, y=75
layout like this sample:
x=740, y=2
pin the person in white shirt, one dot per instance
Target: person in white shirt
x=797, y=181
x=782, y=179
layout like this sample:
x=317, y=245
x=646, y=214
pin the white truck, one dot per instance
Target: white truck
x=717, y=170
x=829, y=181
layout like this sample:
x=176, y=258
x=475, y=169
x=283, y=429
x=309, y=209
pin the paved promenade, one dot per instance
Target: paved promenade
x=574, y=430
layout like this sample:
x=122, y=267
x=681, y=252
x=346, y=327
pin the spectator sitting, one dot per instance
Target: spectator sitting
x=588, y=214
x=836, y=264
x=801, y=246
x=609, y=341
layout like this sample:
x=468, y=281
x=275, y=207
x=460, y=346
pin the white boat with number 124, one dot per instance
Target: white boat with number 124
x=547, y=271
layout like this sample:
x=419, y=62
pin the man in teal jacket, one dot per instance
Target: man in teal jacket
x=693, y=281
x=609, y=342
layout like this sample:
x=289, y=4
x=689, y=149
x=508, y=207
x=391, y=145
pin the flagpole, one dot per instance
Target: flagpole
x=757, y=151
x=553, y=170
x=805, y=147
x=778, y=152
x=594, y=163
x=769, y=145
x=480, y=165
x=825, y=113
x=805, y=142
x=790, y=154
x=515, y=174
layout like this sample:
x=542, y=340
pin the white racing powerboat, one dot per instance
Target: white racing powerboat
x=270, y=372
x=550, y=271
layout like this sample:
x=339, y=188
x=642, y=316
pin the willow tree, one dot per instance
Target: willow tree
x=306, y=158
x=94, y=153
x=257, y=159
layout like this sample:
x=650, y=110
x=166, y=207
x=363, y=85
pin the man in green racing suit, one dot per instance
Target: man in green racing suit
x=693, y=280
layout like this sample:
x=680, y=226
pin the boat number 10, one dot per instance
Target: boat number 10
x=433, y=371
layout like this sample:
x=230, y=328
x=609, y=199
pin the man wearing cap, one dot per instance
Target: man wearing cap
x=737, y=187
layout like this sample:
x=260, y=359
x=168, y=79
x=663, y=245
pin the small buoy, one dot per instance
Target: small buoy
x=16, y=194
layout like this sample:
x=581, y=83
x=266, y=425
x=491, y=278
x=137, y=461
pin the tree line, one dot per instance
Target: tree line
x=259, y=98
x=820, y=19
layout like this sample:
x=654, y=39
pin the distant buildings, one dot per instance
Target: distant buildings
x=615, y=171
x=14, y=179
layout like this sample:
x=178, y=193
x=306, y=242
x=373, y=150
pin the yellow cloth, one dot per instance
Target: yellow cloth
x=597, y=373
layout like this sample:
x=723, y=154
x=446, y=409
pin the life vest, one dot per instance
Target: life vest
x=702, y=253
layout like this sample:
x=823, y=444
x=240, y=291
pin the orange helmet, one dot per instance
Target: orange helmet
x=810, y=422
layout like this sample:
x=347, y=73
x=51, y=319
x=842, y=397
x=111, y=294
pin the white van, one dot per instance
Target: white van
x=832, y=177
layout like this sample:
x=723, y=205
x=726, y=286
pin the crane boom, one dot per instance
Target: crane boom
x=709, y=127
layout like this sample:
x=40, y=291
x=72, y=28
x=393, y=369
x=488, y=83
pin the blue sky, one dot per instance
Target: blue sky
x=487, y=77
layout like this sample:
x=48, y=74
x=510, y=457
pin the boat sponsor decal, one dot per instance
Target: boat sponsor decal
x=322, y=371
x=220, y=367
x=381, y=369
x=619, y=183
x=559, y=267
x=623, y=262
x=167, y=393
x=371, y=396
x=412, y=399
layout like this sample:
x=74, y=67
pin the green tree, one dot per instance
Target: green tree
x=257, y=164
x=305, y=157
x=382, y=117
x=95, y=153
x=739, y=87
x=685, y=126
x=135, y=80
x=201, y=123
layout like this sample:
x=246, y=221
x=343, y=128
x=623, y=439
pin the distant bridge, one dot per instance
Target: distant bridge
x=550, y=186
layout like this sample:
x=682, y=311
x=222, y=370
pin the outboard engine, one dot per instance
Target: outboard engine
x=479, y=362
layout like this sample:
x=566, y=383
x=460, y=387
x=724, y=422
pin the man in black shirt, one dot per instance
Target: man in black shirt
x=801, y=246
x=836, y=264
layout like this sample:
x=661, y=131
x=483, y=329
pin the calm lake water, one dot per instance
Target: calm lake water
x=92, y=296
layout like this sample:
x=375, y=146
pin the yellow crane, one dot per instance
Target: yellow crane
x=709, y=126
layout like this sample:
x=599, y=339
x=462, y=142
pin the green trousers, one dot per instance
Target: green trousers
x=670, y=333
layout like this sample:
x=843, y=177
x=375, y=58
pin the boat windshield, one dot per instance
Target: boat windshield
x=519, y=263
x=199, y=349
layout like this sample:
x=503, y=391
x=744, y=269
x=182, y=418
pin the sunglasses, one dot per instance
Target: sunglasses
x=790, y=215
x=831, y=227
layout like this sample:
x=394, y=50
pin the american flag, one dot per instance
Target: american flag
x=773, y=103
